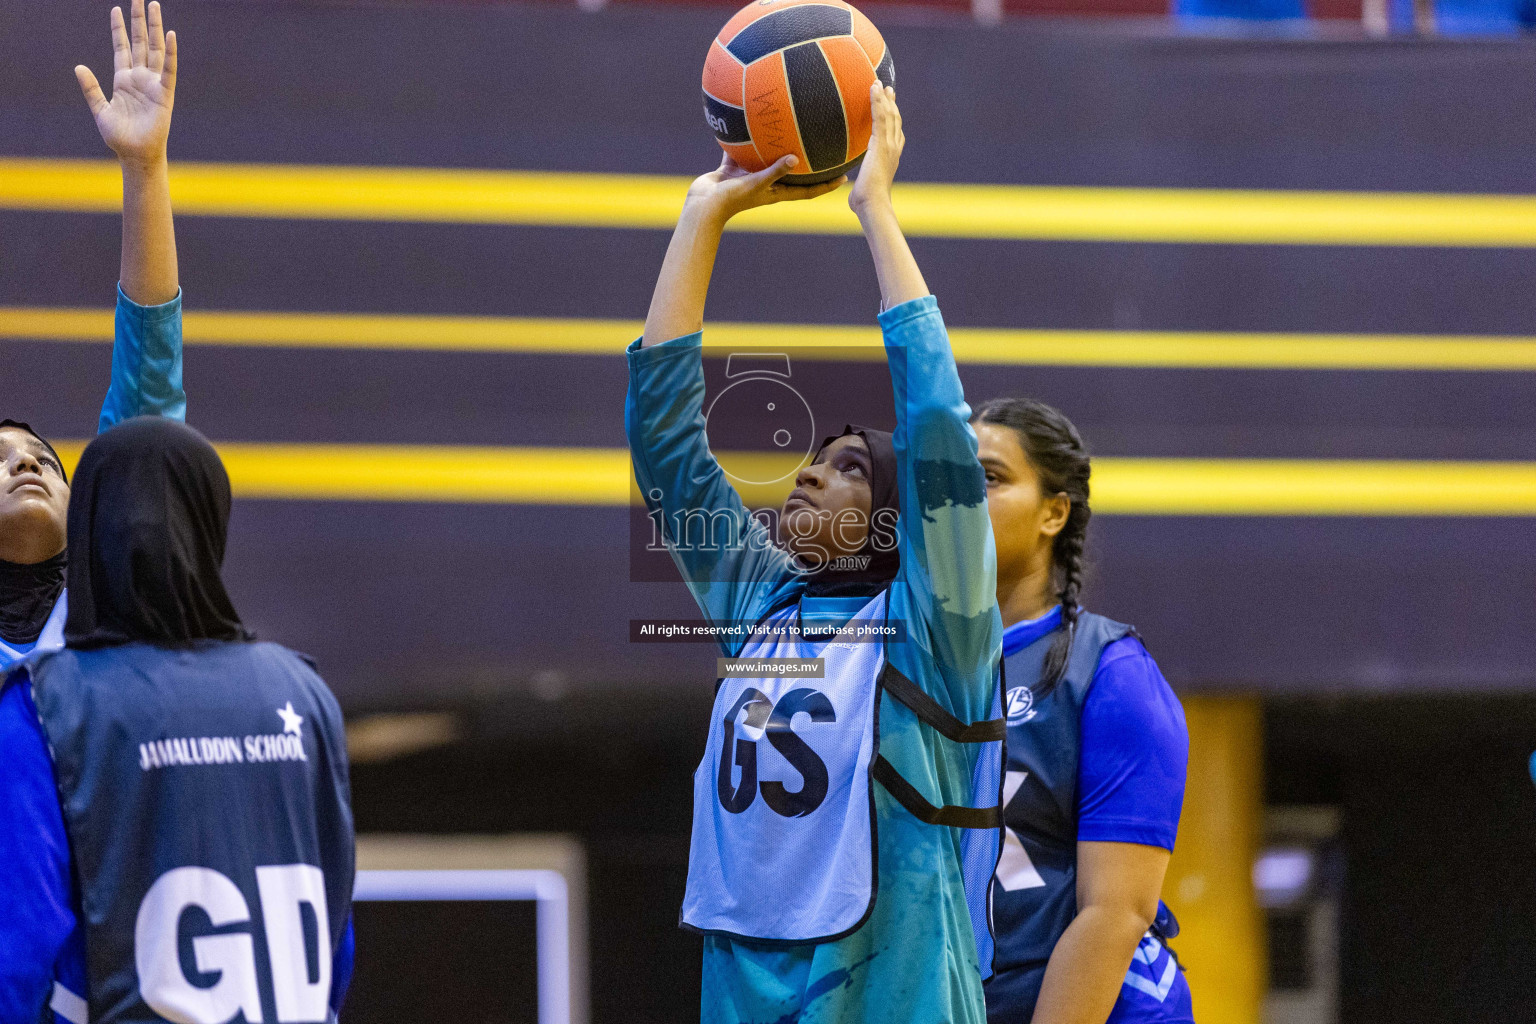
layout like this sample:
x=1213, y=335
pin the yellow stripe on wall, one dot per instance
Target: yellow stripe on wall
x=423, y=473
x=601, y=476
x=1300, y=487
x=976, y=346
x=927, y=209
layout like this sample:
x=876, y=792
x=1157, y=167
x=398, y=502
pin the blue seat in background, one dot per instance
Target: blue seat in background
x=1452, y=17
x=1244, y=10
x=1468, y=17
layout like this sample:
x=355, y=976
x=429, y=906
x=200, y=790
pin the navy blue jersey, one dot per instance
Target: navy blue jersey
x=205, y=799
x=1099, y=759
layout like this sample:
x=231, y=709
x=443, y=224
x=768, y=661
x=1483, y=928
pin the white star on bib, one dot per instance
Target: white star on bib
x=291, y=719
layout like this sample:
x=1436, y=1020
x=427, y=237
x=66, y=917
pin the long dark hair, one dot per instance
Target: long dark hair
x=1056, y=450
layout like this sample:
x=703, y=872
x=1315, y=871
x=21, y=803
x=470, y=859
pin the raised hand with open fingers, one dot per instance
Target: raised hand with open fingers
x=136, y=122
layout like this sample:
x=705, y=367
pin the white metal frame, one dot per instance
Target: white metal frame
x=548, y=870
x=547, y=888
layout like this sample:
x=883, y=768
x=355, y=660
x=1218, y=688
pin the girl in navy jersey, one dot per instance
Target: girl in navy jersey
x=1097, y=751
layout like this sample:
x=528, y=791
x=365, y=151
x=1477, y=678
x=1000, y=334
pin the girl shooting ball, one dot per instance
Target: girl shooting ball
x=837, y=819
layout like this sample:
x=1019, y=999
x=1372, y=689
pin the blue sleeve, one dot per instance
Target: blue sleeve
x=146, y=363
x=948, y=561
x=37, y=916
x=1135, y=750
x=726, y=556
x=341, y=968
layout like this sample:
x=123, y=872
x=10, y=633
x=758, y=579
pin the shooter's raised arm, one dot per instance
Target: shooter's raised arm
x=677, y=305
x=897, y=270
x=947, y=552
x=676, y=471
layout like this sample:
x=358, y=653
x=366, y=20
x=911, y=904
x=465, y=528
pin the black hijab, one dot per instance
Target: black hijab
x=29, y=592
x=883, y=494
x=27, y=596
x=148, y=518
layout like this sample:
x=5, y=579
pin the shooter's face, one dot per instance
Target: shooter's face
x=827, y=514
x=34, y=499
x=1025, y=520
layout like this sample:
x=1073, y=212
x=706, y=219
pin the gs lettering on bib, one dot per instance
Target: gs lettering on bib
x=783, y=839
x=783, y=813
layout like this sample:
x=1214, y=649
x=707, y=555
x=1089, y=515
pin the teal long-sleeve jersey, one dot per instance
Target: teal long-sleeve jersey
x=914, y=958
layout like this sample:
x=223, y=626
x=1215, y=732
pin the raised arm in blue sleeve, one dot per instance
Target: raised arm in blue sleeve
x=37, y=916
x=948, y=561
x=726, y=556
x=146, y=363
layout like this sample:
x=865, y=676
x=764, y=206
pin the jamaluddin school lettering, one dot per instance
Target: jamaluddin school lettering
x=203, y=750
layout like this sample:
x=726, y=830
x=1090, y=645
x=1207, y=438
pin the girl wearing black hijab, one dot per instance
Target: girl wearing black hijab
x=34, y=496
x=845, y=821
x=146, y=354
x=194, y=768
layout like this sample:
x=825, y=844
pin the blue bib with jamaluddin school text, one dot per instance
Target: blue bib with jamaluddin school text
x=205, y=797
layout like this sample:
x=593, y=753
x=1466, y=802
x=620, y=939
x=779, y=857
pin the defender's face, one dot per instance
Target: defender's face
x=1025, y=521
x=827, y=514
x=34, y=499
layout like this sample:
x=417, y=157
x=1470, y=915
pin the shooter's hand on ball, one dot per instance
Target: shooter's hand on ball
x=137, y=120
x=135, y=124
x=886, y=140
x=732, y=189
x=900, y=279
x=677, y=305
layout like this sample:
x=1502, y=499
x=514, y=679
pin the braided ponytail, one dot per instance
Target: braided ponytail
x=1057, y=453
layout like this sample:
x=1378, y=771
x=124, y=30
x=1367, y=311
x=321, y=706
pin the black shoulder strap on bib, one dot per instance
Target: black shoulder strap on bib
x=907, y=795
x=930, y=712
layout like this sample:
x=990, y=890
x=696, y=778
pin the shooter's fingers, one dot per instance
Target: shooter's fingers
x=794, y=193
x=770, y=175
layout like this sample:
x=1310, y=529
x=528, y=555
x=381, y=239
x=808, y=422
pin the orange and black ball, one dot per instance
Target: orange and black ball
x=793, y=76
